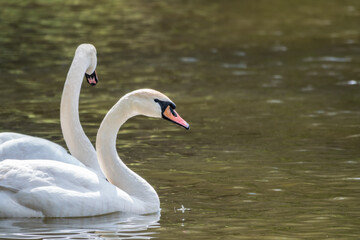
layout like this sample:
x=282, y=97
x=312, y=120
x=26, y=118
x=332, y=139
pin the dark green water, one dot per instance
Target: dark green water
x=271, y=90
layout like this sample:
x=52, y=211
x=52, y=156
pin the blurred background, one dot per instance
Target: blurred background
x=270, y=89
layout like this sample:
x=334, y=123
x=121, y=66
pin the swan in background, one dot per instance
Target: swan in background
x=47, y=188
x=79, y=145
x=24, y=147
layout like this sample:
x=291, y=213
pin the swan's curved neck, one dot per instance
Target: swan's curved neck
x=78, y=143
x=112, y=166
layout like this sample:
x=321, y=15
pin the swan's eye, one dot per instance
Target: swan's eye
x=166, y=104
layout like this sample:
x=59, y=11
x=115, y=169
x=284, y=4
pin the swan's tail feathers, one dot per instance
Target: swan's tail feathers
x=8, y=188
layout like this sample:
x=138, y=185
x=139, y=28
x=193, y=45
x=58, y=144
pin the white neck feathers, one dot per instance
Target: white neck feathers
x=78, y=143
x=112, y=166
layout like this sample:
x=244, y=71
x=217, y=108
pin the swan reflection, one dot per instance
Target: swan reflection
x=116, y=225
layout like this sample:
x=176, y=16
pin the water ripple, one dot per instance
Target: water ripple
x=234, y=65
x=349, y=83
x=115, y=225
x=328, y=59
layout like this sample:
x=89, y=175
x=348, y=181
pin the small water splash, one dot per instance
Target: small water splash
x=183, y=209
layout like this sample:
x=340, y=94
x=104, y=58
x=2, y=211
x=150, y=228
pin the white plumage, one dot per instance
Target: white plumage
x=38, y=188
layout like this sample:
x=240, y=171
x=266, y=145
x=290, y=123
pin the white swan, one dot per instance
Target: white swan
x=24, y=147
x=46, y=188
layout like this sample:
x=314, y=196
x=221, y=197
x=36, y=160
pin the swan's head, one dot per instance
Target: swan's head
x=152, y=103
x=88, y=51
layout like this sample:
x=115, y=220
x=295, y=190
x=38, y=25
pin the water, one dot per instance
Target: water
x=109, y=226
x=271, y=92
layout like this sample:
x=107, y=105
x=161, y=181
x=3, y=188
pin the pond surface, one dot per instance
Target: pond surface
x=271, y=91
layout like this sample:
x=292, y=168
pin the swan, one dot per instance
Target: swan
x=48, y=188
x=25, y=147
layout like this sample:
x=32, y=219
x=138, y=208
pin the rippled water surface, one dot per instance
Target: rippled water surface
x=271, y=90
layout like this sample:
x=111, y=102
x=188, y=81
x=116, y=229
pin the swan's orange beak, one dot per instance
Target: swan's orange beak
x=171, y=115
x=92, y=79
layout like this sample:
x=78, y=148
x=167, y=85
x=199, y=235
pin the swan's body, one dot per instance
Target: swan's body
x=48, y=188
x=24, y=147
x=39, y=188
